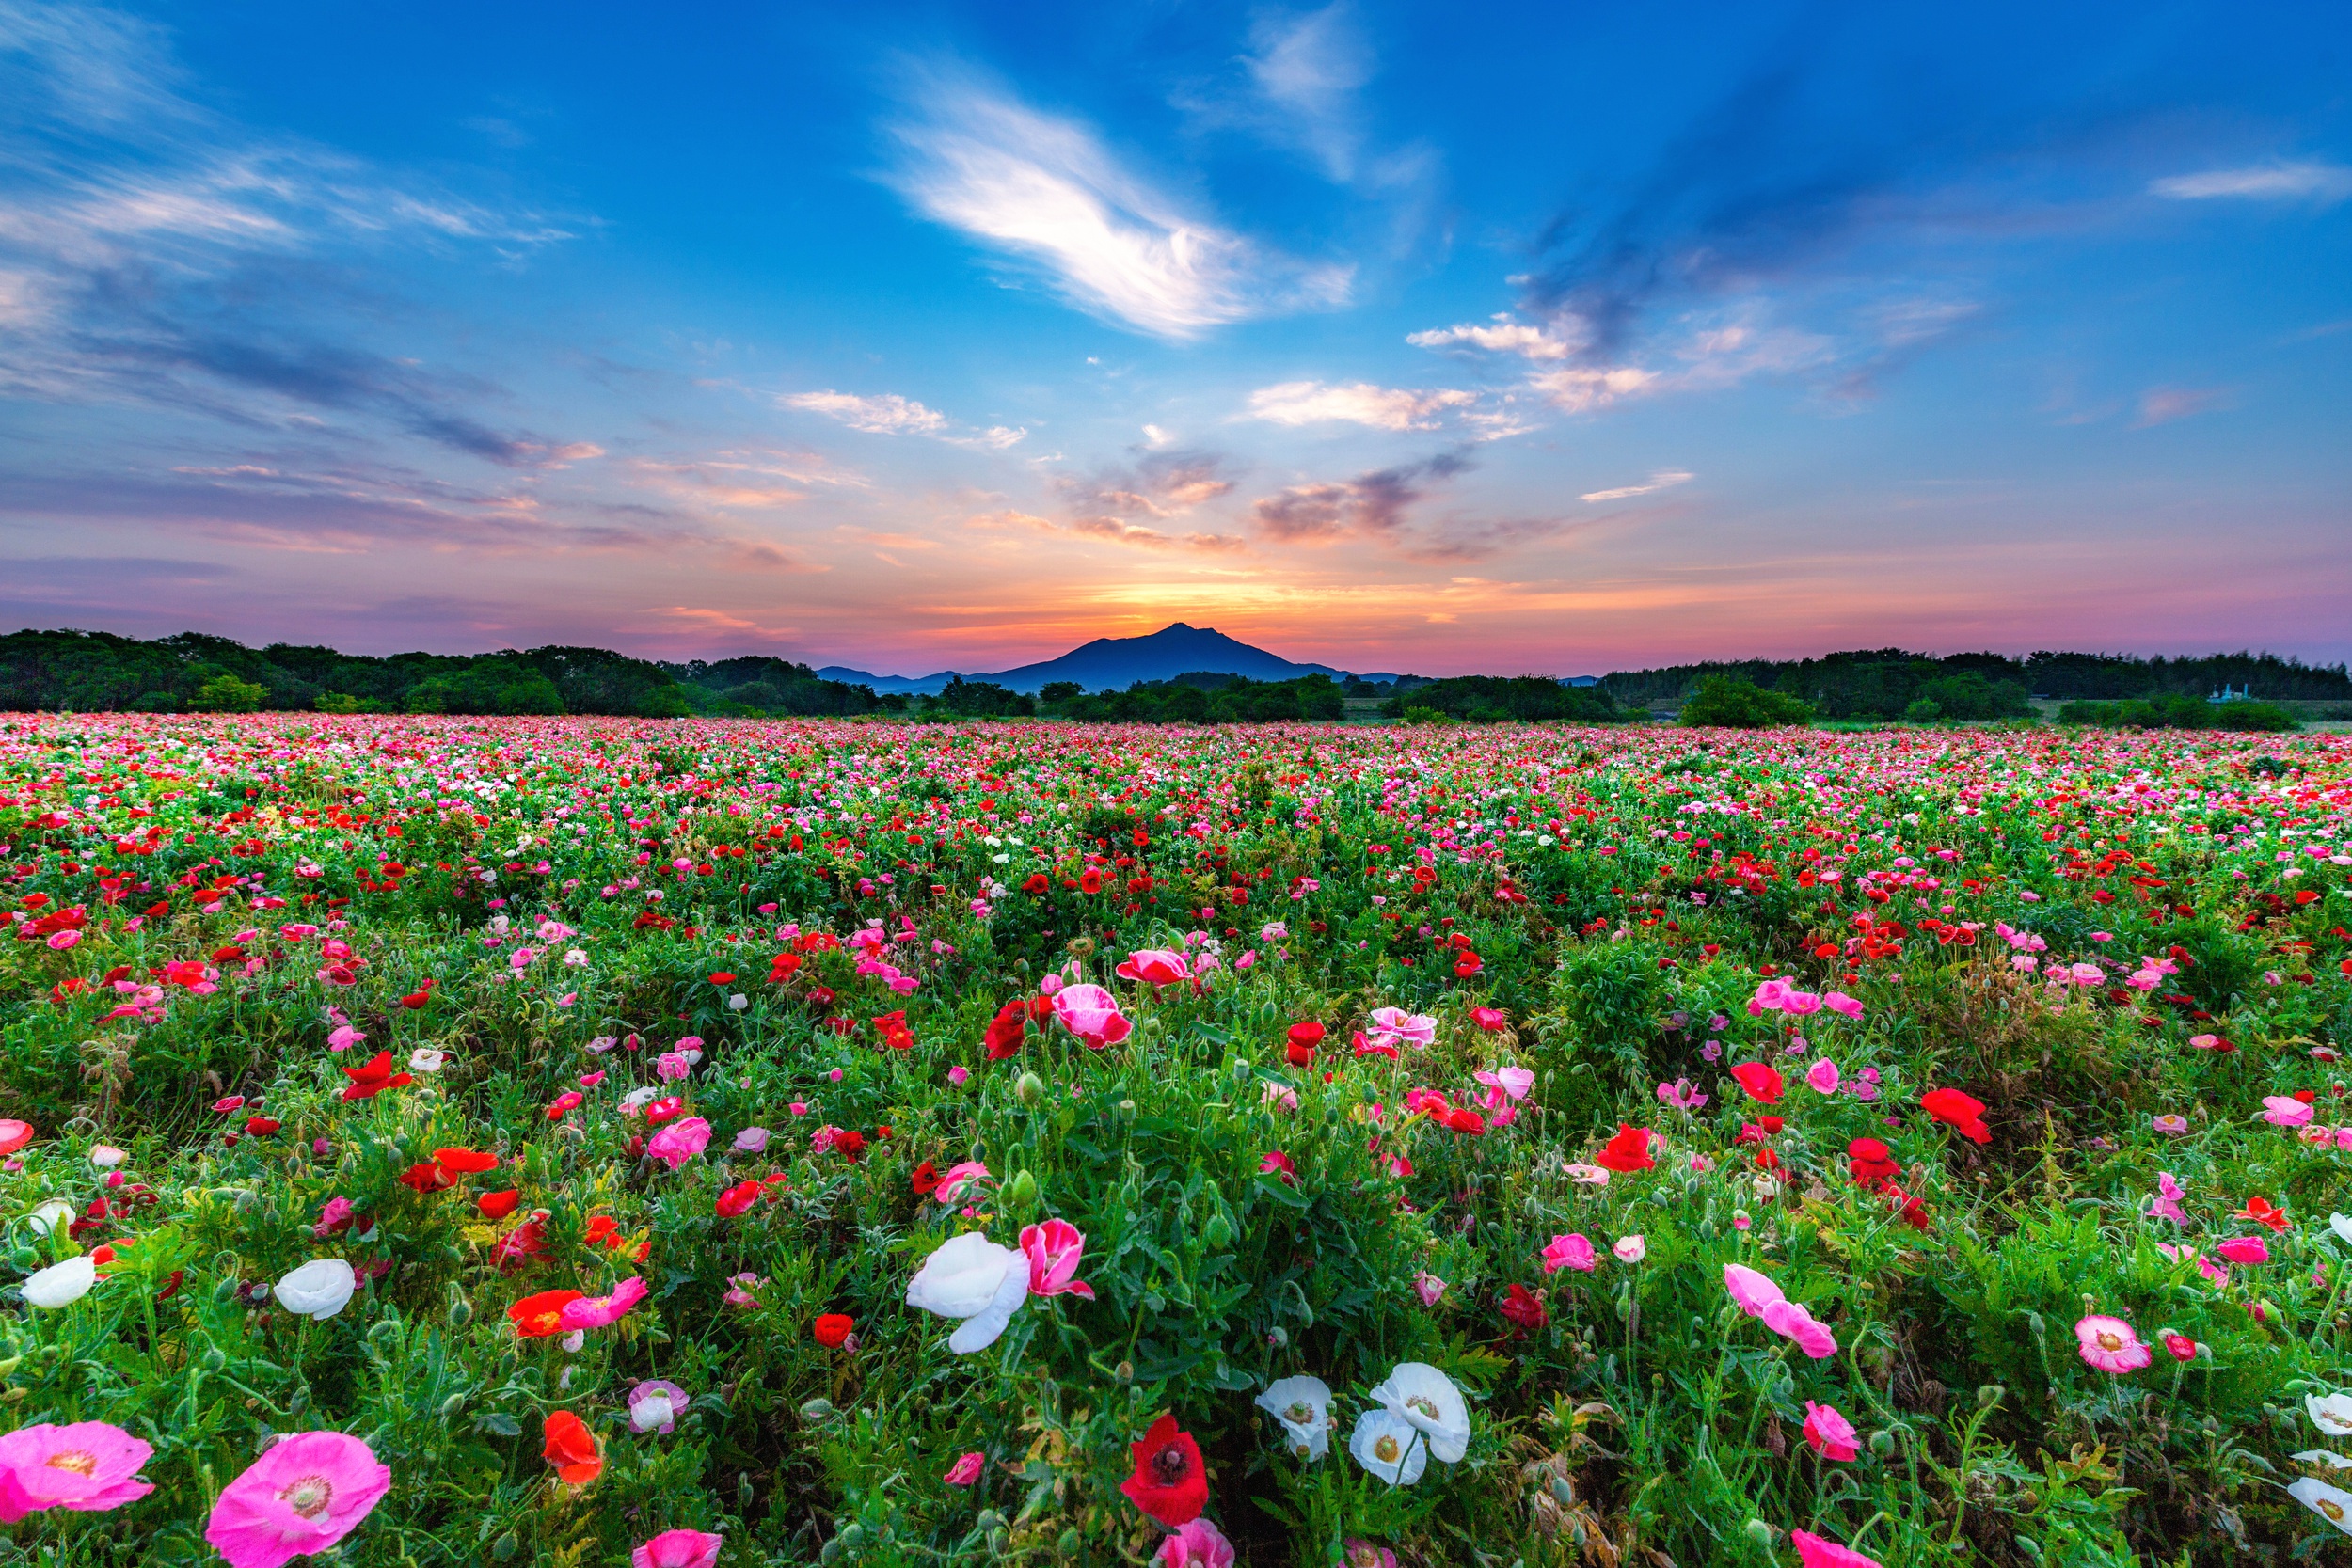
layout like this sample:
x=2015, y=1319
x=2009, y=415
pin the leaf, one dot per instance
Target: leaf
x=499, y=1424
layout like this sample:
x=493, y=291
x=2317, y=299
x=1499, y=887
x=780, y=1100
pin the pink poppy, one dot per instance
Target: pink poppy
x=305, y=1493
x=1395, y=1026
x=1513, y=1080
x=604, y=1311
x=2244, y=1250
x=679, y=1142
x=966, y=1470
x=678, y=1548
x=88, y=1466
x=1489, y=1018
x=2109, y=1344
x=1197, y=1544
x=1428, y=1286
x=1830, y=1435
x=1278, y=1163
x=1754, y=1292
x=2281, y=1110
x=1838, y=1002
x=2166, y=1205
x=1572, y=1251
x=1821, y=1077
x=1092, y=1014
x=1054, y=1249
x=1814, y=1551
x=1800, y=1327
x=959, y=1179
x=1155, y=966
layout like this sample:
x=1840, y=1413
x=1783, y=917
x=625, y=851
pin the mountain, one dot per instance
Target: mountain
x=1114, y=663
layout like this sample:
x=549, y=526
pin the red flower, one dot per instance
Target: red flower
x=1958, y=1112
x=1627, y=1151
x=1301, y=1040
x=1525, y=1309
x=2261, y=1212
x=925, y=1179
x=738, y=1199
x=2181, y=1347
x=1038, y=882
x=834, y=1328
x=571, y=1448
x=780, y=968
x=1169, y=1484
x=1761, y=1081
x=373, y=1076
x=541, y=1316
x=1463, y=1119
x=262, y=1127
x=1873, y=1162
x=1003, y=1038
x=664, y=1109
x=464, y=1161
x=425, y=1178
x=1468, y=965
x=497, y=1206
x=721, y=977
x=849, y=1145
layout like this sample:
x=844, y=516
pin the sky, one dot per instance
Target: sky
x=1500, y=339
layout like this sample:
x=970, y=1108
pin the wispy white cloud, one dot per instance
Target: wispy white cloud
x=891, y=414
x=1664, y=480
x=2279, y=182
x=1503, y=335
x=1309, y=70
x=1579, y=389
x=2164, y=404
x=1302, y=402
x=1045, y=190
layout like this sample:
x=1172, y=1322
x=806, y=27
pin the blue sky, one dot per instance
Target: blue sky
x=1545, y=338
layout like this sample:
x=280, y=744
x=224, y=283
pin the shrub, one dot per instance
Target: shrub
x=1721, y=701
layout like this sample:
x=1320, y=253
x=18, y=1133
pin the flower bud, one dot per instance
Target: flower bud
x=1028, y=1088
x=1883, y=1443
x=1219, y=1233
x=1761, y=1533
x=1990, y=1395
x=817, y=1409
x=1020, y=1196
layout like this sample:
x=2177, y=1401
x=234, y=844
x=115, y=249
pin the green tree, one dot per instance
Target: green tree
x=226, y=693
x=1739, y=704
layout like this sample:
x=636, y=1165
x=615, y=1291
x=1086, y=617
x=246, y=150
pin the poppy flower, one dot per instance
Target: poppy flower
x=2263, y=1211
x=1872, y=1163
x=2109, y=1344
x=1300, y=1043
x=925, y=1180
x=1168, y=1483
x=737, y=1199
x=541, y=1316
x=571, y=1448
x=1467, y=964
x=373, y=1076
x=1959, y=1112
x=465, y=1162
x=497, y=1206
x=1762, y=1082
x=605, y=1310
x=1627, y=1151
x=832, y=1329
x=1525, y=1309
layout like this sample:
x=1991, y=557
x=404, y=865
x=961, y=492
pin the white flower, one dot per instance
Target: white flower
x=2342, y=1226
x=1630, y=1250
x=2331, y=1503
x=1389, y=1448
x=426, y=1059
x=50, y=1215
x=1417, y=1393
x=737, y=1002
x=1303, y=1406
x=2328, y=1457
x=61, y=1284
x=2332, y=1415
x=973, y=1278
x=106, y=1156
x=651, y=1412
x=319, y=1288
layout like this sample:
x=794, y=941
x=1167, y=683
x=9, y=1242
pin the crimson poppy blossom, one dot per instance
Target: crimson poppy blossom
x=1168, y=1483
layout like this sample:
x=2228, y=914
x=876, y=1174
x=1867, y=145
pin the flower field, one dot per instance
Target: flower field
x=578, y=1141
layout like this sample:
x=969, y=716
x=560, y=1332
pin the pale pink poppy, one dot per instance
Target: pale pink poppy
x=2109, y=1344
x=1513, y=1080
x=1092, y=1014
x=2166, y=1205
x=2281, y=1110
x=1838, y=1002
x=959, y=1180
x=1392, y=1027
x=1197, y=1544
x=679, y=1142
x=1830, y=1435
x=1054, y=1249
x=1155, y=966
x=1428, y=1286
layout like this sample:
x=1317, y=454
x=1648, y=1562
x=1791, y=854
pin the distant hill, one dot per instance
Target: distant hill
x=1116, y=663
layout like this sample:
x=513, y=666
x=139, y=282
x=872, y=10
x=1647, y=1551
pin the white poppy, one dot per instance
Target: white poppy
x=2332, y=1415
x=973, y=1278
x=2328, y=1457
x=106, y=1156
x=319, y=1288
x=652, y=1412
x=2331, y=1503
x=61, y=1284
x=1303, y=1407
x=426, y=1059
x=2342, y=1226
x=1389, y=1448
x=50, y=1215
x=1418, y=1393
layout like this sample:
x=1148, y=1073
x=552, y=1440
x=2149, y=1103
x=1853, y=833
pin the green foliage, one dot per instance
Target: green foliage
x=1202, y=699
x=1729, y=704
x=2179, y=711
x=1882, y=682
x=1494, y=700
x=226, y=693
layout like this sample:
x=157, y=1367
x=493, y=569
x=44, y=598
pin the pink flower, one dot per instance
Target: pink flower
x=1428, y=1286
x=1489, y=1018
x=604, y=1311
x=1759, y=1298
x=965, y=1471
x=88, y=1466
x=305, y=1493
x=2166, y=1205
x=1838, y=1002
x=655, y=1405
x=2244, y=1250
x=1092, y=1014
x=1754, y=1292
x=2281, y=1110
x=1681, y=1096
x=1278, y=1163
x=1770, y=996
x=2109, y=1344
x=1822, y=1076
x=1572, y=1251
x=1830, y=1435
x=958, y=1073
x=60, y=941
x=1513, y=1080
x=956, y=1184
x=1393, y=1026
x=670, y=1066
x=1814, y=1551
x=345, y=1038
x=1156, y=966
x=1054, y=1249
x=1198, y=1545
x=679, y=1142
x=332, y=1217
x=1802, y=1002
x=2205, y=1265
x=752, y=1140
x=679, y=1548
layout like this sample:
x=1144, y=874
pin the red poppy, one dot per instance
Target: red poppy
x=664, y=1109
x=1761, y=1081
x=464, y=1161
x=14, y=1135
x=1627, y=1151
x=541, y=1316
x=721, y=977
x=737, y=1199
x=780, y=968
x=1525, y=1309
x=1003, y=1038
x=564, y=1104
x=1958, y=1112
x=849, y=1145
x=1872, y=1163
x=925, y=1179
x=2263, y=1211
x=571, y=1448
x=2181, y=1347
x=373, y=1076
x=1469, y=964
x=416, y=998
x=1169, y=1484
x=1038, y=882
x=1463, y=1119
x=1300, y=1043
x=834, y=1329
x=425, y=1178
x=497, y=1206
x=262, y=1127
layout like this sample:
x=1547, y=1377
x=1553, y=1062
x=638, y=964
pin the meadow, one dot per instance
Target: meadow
x=580, y=1141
